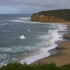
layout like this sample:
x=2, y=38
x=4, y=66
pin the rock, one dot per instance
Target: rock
x=42, y=18
x=51, y=16
x=67, y=36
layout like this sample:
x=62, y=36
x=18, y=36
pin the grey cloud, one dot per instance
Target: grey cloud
x=43, y=3
x=35, y=2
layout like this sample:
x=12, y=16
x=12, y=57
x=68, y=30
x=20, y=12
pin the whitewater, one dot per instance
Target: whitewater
x=22, y=40
x=44, y=52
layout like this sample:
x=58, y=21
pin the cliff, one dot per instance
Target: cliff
x=52, y=16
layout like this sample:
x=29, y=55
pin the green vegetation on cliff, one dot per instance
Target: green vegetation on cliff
x=18, y=66
x=52, y=15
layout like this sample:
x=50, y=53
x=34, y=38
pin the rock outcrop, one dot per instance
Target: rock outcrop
x=52, y=16
x=42, y=18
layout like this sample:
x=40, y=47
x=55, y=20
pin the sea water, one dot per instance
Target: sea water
x=22, y=40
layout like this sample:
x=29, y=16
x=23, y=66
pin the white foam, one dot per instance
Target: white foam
x=21, y=19
x=3, y=56
x=12, y=49
x=27, y=21
x=22, y=37
x=39, y=55
x=44, y=36
x=29, y=60
x=62, y=27
x=25, y=18
x=4, y=59
x=55, y=36
x=28, y=30
x=16, y=20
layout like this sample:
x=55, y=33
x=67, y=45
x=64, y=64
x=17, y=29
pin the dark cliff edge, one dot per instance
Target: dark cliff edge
x=52, y=16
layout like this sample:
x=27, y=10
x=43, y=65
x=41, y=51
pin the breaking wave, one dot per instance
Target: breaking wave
x=22, y=37
x=54, y=36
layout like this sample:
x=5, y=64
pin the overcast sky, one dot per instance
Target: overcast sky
x=31, y=6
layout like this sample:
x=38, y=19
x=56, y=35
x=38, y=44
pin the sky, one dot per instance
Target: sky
x=31, y=6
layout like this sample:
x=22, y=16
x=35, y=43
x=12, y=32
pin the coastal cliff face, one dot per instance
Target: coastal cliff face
x=43, y=18
x=52, y=16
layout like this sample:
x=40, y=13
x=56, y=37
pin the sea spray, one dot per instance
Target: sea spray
x=22, y=37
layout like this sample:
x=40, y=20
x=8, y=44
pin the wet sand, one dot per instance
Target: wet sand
x=63, y=55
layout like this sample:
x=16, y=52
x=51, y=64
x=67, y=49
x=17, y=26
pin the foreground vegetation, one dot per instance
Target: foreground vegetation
x=18, y=66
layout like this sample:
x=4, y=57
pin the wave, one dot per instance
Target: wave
x=2, y=57
x=16, y=20
x=26, y=21
x=24, y=18
x=12, y=49
x=22, y=37
x=21, y=19
x=28, y=30
x=44, y=37
x=43, y=52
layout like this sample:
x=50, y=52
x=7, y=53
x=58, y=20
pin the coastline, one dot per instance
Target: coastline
x=63, y=55
x=56, y=36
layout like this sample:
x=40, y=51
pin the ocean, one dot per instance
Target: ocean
x=22, y=40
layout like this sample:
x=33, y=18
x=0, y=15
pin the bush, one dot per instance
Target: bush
x=18, y=66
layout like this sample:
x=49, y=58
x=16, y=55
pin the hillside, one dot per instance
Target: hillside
x=52, y=16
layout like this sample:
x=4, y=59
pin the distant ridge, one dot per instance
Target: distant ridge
x=61, y=15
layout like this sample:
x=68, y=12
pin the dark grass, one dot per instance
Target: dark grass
x=18, y=66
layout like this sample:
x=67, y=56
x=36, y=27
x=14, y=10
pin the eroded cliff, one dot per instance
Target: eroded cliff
x=52, y=16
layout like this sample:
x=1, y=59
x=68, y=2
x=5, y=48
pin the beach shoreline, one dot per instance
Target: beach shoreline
x=56, y=37
x=63, y=56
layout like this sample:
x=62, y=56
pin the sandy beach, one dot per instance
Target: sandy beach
x=63, y=55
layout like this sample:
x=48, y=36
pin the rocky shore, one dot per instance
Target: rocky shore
x=63, y=56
